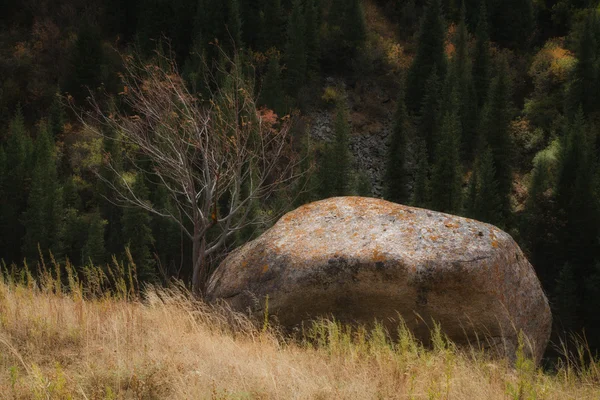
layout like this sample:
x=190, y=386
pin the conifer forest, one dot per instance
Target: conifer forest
x=104, y=107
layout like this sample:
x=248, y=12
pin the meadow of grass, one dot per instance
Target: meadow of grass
x=95, y=335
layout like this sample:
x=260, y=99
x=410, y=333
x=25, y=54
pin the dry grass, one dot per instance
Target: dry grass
x=56, y=345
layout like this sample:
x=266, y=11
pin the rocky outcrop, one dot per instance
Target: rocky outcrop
x=362, y=259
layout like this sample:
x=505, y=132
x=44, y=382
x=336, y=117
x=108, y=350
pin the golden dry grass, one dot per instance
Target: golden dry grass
x=55, y=345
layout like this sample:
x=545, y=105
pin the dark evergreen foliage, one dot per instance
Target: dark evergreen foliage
x=446, y=176
x=137, y=233
x=295, y=50
x=396, y=174
x=44, y=206
x=430, y=55
x=495, y=125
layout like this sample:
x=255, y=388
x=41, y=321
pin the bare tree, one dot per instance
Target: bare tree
x=215, y=157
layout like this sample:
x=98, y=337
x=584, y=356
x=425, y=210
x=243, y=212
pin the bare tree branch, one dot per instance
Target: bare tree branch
x=214, y=158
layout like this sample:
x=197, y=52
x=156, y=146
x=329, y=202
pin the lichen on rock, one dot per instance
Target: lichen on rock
x=361, y=259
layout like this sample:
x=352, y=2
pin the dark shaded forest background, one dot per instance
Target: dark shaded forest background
x=497, y=118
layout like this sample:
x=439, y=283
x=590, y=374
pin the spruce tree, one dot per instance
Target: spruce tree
x=446, y=178
x=312, y=16
x=16, y=183
x=73, y=224
x=44, y=205
x=584, y=82
x=396, y=174
x=362, y=184
x=354, y=25
x=210, y=25
x=421, y=193
x=566, y=298
x=482, y=58
x=340, y=152
x=462, y=71
x=496, y=120
x=234, y=25
x=57, y=115
x=306, y=187
x=271, y=92
x=575, y=192
x=295, y=50
x=137, y=233
x=94, y=251
x=3, y=169
x=408, y=19
x=334, y=166
x=513, y=22
x=86, y=60
x=195, y=68
x=251, y=11
x=274, y=25
x=431, y=114
x=539, y=225
x=430, y=55
x=105, y=196
x=486, y=207
x=167, y=234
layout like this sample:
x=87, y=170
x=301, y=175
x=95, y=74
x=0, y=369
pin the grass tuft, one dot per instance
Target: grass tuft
x=98, y=335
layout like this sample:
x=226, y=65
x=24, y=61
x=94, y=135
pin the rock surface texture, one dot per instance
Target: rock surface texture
x=360, y=259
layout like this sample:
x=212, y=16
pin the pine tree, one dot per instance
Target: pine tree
x=137, y=233
x=312, y=15
x=496, y=120
x=540, y=225
x=566, y=298
x=462, y=70
x=3, y=169
x=167, y=234
x=396, y=174
x=251, y=11
x=584, y=83
x=44, y=205
x=274, y=25
x=105, y=194
x=482, y=58
x=486, y=207
x=430, y=55
x=94, y=251
x=574, y=190
x=210, y=26
x=271, y=93
x=408, y=19
x=340, y=154
x=421, y=193
x=152, y=21
x=57, y=115
x=306, y=188
x=86, y=61
x=430, y=114
x=446, y=178
x=234, y=25
x=337, y=14
x=362, y=185
x=354, y=25
x=513, y=22
x=73, y=224
x=295, y=51
x=334, y=167
x=194, y=69
x=16, y=183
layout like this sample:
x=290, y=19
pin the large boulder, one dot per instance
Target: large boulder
x=360, y=259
